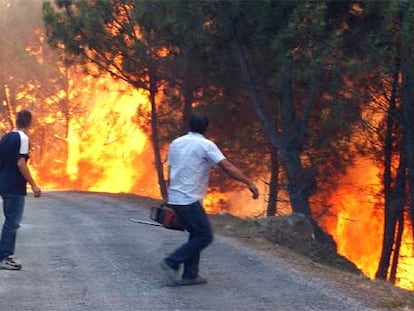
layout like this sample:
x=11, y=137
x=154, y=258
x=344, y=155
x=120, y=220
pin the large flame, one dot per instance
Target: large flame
x=357, y=224
x=358, y=227
x=107, y=150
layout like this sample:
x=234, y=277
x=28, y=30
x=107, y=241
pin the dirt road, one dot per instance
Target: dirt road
x=80, y=252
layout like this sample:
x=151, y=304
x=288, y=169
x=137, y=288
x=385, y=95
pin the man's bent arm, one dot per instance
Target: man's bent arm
x=24, y=170
x=235, y=173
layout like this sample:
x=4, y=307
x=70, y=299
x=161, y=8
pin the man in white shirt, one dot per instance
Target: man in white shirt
x=190, y=158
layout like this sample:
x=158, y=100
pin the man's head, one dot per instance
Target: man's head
x=198, y=123
x=24, y=119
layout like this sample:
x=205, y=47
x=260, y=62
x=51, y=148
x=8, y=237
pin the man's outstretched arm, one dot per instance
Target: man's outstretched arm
x=236, y=174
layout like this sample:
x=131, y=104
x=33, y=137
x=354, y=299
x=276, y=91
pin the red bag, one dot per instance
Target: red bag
x=167, y=217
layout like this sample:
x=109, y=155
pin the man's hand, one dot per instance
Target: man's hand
x=254, y=190
x=235, y=173
x=36, y=190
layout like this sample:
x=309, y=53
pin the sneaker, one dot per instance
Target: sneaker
x=172, y=273
x=196, y=281
x=10, y=263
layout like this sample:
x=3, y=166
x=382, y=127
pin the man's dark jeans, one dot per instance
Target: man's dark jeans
x=198, y=225
x=13, y=205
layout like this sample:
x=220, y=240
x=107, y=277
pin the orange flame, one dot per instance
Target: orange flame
x=358, y=230
x=107, y=150
x=359, y=225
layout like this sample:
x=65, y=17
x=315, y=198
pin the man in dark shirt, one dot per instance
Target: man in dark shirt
x=14, y=175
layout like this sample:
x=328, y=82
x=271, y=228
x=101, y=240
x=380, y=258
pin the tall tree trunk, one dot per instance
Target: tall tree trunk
x=396, y=253
x=273, y=184
x=67, y=116
x=10, y=110
x=393, y=212
x=299, y=183
x=300, y=180
x=389, y=204
x=155, y=137
x=188, y=102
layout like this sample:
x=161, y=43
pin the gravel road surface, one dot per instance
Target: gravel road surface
x=80, y=252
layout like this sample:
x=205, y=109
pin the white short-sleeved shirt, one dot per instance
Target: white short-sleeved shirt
x=24, y=143
x=190, y=158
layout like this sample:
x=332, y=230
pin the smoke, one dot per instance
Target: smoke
x=19, y=20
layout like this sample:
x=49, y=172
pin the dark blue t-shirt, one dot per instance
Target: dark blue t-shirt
x=13, y=145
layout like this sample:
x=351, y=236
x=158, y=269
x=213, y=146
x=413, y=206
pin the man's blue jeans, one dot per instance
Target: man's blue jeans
x=198, y=225
x=13, y=205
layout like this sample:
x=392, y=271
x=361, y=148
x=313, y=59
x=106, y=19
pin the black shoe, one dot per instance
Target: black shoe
x=172, y=273
x=187, y=282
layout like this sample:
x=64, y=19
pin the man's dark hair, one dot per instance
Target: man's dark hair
x=24, y=119
x=198, y=123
